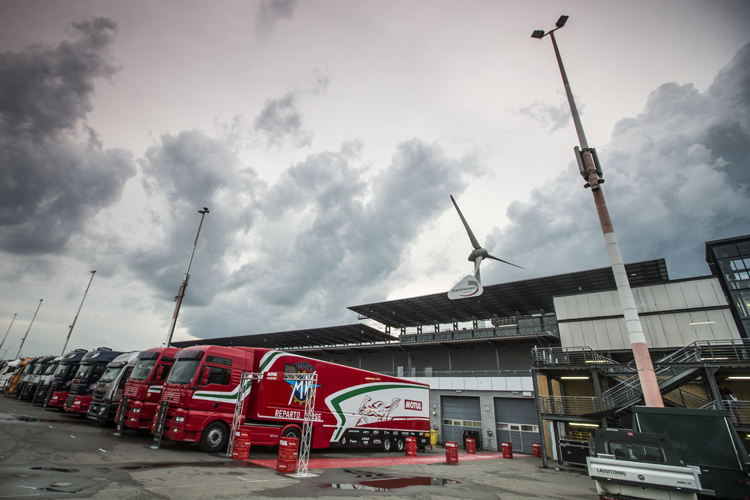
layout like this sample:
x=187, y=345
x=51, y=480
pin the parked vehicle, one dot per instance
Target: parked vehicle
x=143, y=389
x=108, y=390
x=10, y=387
x=44, y=381
x=353, y=408
x=7, y=373
x=27, y=390
x=91, y=369
x=57, y=393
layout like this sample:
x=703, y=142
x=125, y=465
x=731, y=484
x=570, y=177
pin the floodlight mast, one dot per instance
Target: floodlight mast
x=79, y=312
x=29, y=329
x=591, y=171
x=6, y=333
x=183, y=287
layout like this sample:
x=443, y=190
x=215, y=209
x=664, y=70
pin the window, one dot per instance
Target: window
x=221, y=376
x=290, y=368
x=219, y=361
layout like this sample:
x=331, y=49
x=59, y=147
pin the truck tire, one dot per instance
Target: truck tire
x=214, y=437
x=400, y=444
x=291, y=432
x=387, y=445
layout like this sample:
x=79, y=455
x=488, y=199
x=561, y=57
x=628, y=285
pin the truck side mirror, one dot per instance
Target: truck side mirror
x=159, y=372
x=204, y=377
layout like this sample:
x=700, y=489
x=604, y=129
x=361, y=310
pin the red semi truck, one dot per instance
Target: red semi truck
x=144, y=386
x=353, y=408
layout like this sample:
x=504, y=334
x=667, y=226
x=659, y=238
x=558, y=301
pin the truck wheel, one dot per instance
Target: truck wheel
x=387, y=445
x=214, y=437
x=291, y=432
x=399, y=444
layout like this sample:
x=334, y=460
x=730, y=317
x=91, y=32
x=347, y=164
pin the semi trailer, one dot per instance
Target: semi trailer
x=353, y=407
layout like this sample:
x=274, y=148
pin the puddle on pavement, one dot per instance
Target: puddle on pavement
x=384, y=482
x=56, y=469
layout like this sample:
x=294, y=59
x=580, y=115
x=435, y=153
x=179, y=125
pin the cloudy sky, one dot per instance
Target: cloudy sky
x=326, y=138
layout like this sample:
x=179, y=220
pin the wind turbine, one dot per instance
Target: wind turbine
x=479, y=253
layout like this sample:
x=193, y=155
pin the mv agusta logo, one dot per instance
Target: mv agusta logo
x=301, y=388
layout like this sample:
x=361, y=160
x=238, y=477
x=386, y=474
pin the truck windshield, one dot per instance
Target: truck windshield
x=183, y=371
x=142, y=369
x=83, y=371
x=61, y=368
x=111, y=374
x=50, y=369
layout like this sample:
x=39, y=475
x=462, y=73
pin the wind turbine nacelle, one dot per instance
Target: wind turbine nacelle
x=469, y=286
x=479, y=252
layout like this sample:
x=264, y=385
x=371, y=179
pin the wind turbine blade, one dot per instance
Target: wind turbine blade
x=466, y=225
x=505, y=261
x=477, y=262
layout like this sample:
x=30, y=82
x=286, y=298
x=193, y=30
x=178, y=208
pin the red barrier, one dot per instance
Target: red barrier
x=241, y=447
x=471, y=445
x=451, y=452
x=507, y=450
x=537, y=449
x=287, y=461
x=411, y=446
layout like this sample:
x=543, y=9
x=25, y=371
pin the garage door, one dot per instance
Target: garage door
x=516, y=423
x=460, y=414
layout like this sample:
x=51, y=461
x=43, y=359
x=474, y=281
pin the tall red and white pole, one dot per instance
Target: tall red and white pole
x=591, y=171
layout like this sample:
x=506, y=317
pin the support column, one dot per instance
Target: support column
x=542, y=430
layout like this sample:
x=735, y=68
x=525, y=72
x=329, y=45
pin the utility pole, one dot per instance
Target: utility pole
x=6, y=333
x=27, y=331
x=79, y=312
x=183, y=287
x=588, y=164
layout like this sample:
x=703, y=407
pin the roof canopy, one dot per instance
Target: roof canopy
x=314, y=337
x=520, y=298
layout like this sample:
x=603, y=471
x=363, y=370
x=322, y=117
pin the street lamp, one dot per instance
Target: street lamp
x=27, y=331
x=588, y=165
x=181, y=292
x=6, y=333
x=70, y=331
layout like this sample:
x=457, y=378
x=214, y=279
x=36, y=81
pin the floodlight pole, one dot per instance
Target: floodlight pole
x=181, y=292
x=79, y=312
x=6, y=333
x=27, y=331
x=591, y=171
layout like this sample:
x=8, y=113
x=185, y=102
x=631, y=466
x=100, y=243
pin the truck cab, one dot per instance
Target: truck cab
x=44, y=381
x=92, y=367
x=202, y=391
x=108, y=390
x=32, y=382
x=7, y=373
x=57, y=392
x=144, y=387
x=10, y=387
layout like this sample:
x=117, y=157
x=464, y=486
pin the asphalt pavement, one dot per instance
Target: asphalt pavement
x=48, y=454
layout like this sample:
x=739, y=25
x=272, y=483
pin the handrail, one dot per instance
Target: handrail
x=568, y=405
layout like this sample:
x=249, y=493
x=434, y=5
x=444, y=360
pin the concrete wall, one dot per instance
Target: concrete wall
x=673, y=315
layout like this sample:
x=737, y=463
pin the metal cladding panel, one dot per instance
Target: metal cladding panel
x=604, y=342
x=610, y=303
x=677, y=295
x=514, y=383
x=590, y=337
x=499, y=384
x=644, y=299
x=561, y=308
x=527, y=383
x=661, y=298
x=725, y=323
x=444, y=383
x=653, y=329
x=690, y=294
x=457, y=383
x=595, y=304
x=470, y=383
x=571, y=306
x=566, y=334
x=711, y=293
x=671, y=329
x=584, y=308
x=686, y=331
x=621, y=341
x=577, y=337
x=484, y=383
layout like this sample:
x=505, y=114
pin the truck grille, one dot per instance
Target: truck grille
x=69, y=401
x=172, y=397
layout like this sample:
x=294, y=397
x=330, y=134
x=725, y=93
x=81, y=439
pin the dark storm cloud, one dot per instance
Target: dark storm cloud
x=184, y=173
x=280, y=122
x=550, y=116
x=54, y=173
x=270, y=12
x=344, y=232
x=677, y=176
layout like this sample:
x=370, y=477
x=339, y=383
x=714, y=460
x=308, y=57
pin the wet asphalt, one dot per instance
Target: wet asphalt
x=52, y=454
